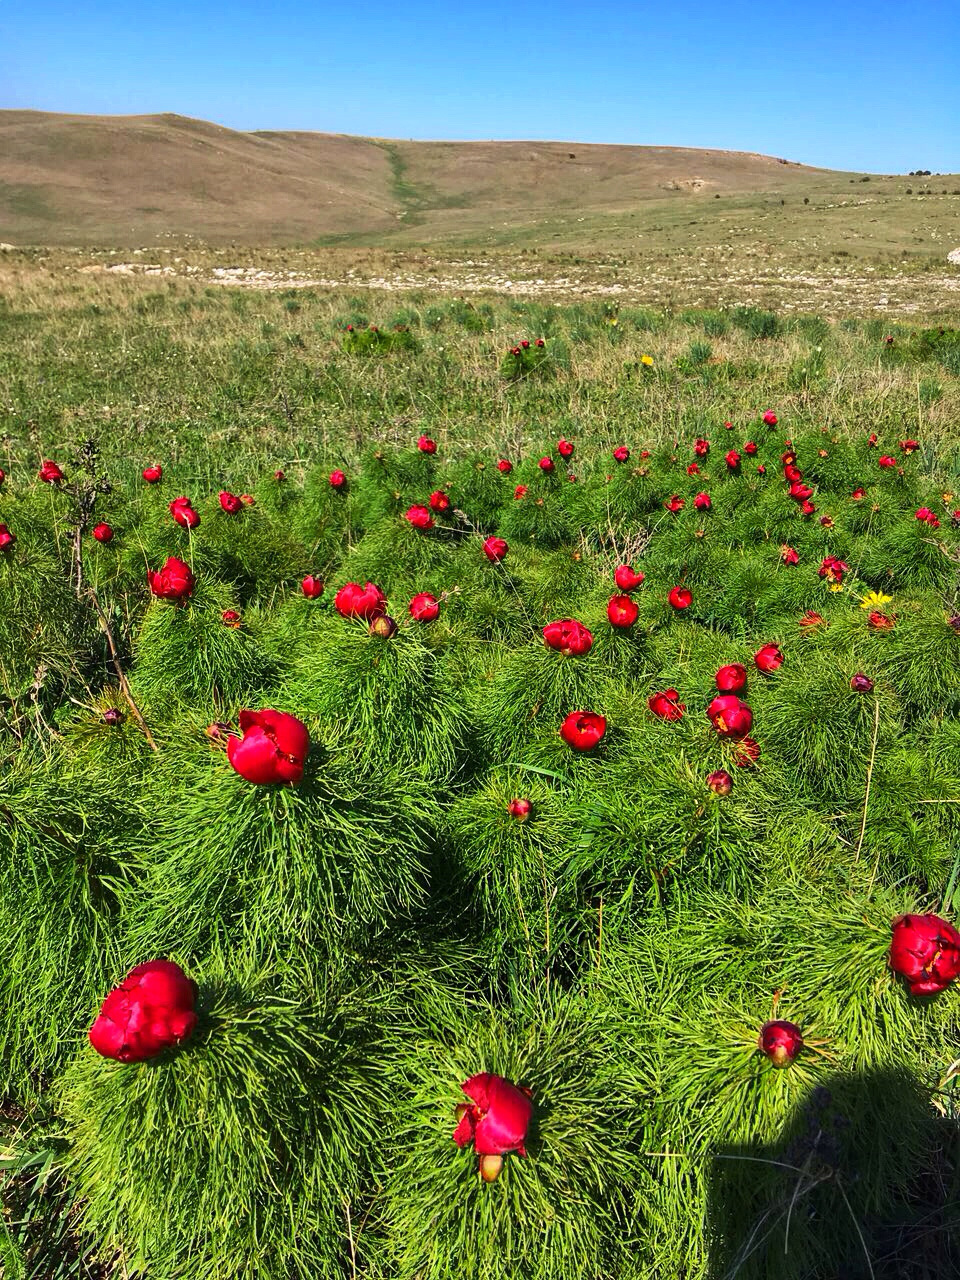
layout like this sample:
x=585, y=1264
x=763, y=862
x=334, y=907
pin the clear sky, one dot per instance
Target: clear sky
x=848, y=84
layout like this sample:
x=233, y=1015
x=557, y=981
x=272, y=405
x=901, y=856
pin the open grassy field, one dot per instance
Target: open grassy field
x=582, y=826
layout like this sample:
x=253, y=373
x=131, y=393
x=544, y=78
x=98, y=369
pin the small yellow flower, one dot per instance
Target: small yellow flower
x=834, y=586
x=948, y=497
x=647, y=360
x=874, y=600
x=612, y=320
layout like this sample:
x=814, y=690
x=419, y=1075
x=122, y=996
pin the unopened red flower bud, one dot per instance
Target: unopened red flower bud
x=520, y=809
x=732, y=459
x=681, y=598
x=861, y=683
x=780, y=1041
x=279, y=476
x=424, y=607
x=495, y=549
x=564, y=448
x=113, y=716
x=768, y=659
x=702, y=502
x=720, y=782
x=50, y=473
x=731, y=678
x=770, y=418
x=505, y=465
x=419, y=517
x=230, y=618
x=622, y=611
x=667, y=705
x=102, y=532
x=426, y=445
x=7, y=539
x=546, y=464
x=312, y=586
x=152, y=474
x=383, y=626
x=183, y=513
x=626, y=579
x=338, y=480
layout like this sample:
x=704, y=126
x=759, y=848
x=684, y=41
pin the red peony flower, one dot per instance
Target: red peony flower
x=419, y=517
x=886, y=461
x=354, y=601
x=545, y=464
x=861, y=683
x=872, y=440
x=788, y=555
x=792, y=474
x=338, y=480
x=312, y=586
x=675, y=504
x=7, y=539
x=878, y=621
x=520, y=491
x=152, y=474
x=926, y=516
x=681, y=597
x=3, y=475
x=424, y=607
x=564, y=448
x=175, y=580
x=426, y=445
x=732, y=678
x=520, y=809
x=538, y=342
x=183, y=513
x=273, y=748
x=832, y=569
x=701, y=447
x=780, y=1041
x=50, y=473
x=626, y=579
x=807, y=508
x=768, y=659
x=666, y=705
x=279, y=476
x=621, y=454
x=750, y=448
x=102, y=532
x=439, y=501
x=495, y=549
x=731, y=717
x=770, y=418
x=720, y=782
x=568, y=637
x=622, y=611
x=247, y=499
x=230, y=503
x=799, y=491
x=732, y=459
x=702, y=502
x=496, y=1121
x=909, y=446
x=152, y=1009
x=582, y=730
x=505, y=466
x=230, y=618
x=858, y=495
x=925, y=950
x=693, y=469
x=761, y=470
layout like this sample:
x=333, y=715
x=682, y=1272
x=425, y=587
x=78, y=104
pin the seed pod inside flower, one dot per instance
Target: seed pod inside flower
x=780, y=1041
x=626, y=579
x=861, y=683
x=720, y=782
x=731, y=678
x=520, y=809
x=151, y=1010
x=383, y=626
x=925, y=950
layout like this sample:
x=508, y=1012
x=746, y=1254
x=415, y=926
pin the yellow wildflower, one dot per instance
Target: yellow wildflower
x=874, y=600
x=647, y=360
x=834, y=586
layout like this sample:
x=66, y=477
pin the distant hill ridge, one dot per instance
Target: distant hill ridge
x=128, y=180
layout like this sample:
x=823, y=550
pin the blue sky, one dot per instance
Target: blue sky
x=847, y=84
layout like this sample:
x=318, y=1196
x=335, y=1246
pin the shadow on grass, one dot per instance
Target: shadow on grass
x=864, y=1184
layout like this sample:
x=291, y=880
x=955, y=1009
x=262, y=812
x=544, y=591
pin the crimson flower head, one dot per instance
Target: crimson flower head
x=702, y=502
x=731, y=717
x=861, y=683
x=495, y=549
x=832, y=569
x=768, y=659
x=538, y=342
x=878, y=621
x=151, y=1010
x=424, y=607
x=732, y=678
x=564, y=448
x=858, y=495
x=792, y=473
x=354, y=601
x=621, y=454
x=279, y=476
x=175, y=580
x=666, y=705
x=626, y=579
x=720, y=782
x=761, y=470
x=520, y=809
x=693, y=469
x=568, y=637
x=520, y=492
x=622, y=611
x=750, y=448
x=3, y=475
x=419, y=517
x=102, y=532
x=495, y=1122
x=438, y=501
x=675, y=504
x=426, y=445
x=788, y=555
x=583, y=730
x=728, y=426
x=312, y=586
x=152, y=474
x=701, y=447
x=746, y=753
x=230, y=503
x=886, y=461
x=546, y=464
x=50, y=473
x=780, y=1041
x=732, y=459
x=230, y=618
x=7, y=539
x=273, y=748
x=770, y=418
x=505, y=465
x=909, y=446
x=338, y=480
x=681, y=597
x=807, y=507
x=800, y=492
x=872, y=439
x=925, y=950
x=927, y=516
x=183, y=513
x=525, y=344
